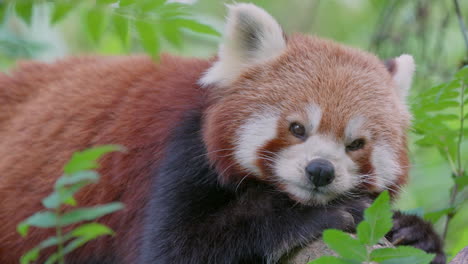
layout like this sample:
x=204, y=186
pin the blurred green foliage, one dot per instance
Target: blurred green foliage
x=427, y=29
x=78, y=173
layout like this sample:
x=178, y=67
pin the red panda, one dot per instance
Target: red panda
x=235, y=159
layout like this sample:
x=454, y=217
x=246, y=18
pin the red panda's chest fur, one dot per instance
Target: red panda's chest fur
x=49, y=111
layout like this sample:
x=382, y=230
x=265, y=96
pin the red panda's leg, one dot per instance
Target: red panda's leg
x=411, y=230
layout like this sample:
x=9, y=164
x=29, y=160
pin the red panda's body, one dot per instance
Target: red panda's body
x=238, y=159
x=49, y=111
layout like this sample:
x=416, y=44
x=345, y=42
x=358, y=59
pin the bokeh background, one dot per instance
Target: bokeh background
x=427, y=29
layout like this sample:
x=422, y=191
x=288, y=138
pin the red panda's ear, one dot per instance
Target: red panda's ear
x=402, y=70
x=251, y=36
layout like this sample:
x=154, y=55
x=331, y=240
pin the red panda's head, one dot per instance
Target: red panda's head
x=315, y=118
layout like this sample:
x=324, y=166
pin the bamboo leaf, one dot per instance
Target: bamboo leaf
x=95, y=23
x=173, y=34
x=3, y=8
x=61, y=9
x=462, y=74
x=461, y=181
x=121, y=25
x=148, y=38
x=24, y=10
x=124, y=3
x=151, y=4
x=196, y=26
x=106, y=2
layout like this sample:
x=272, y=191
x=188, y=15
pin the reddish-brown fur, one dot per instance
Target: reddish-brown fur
x=48, y=111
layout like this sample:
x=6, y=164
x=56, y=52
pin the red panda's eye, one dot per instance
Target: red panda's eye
x=356, y=145
x=298, y=130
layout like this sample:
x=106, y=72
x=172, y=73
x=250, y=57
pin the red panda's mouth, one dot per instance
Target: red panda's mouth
x=308, y=195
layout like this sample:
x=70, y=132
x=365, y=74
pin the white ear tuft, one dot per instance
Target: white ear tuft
x=402, y=71
x=252, y=36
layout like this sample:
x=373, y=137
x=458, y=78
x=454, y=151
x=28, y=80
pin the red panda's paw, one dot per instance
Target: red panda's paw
x=354, y=208
x=411, y=230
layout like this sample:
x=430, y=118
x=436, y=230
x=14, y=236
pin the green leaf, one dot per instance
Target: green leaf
x=91, y=230
x=123, y=3
x=434, y=216
x=332, y=260
x=89, y=213
x=461, y=181
x=85, y=176
x=148, y=38
x=51, y=241
x=61, y=9
x=378, y=220
x=433, y=106
x=30, y=256
x=95, y=23
x=84, y=234
x=401, y=255
x=151, y=4
x=195, y=26
x=40, y=219
x=24, y=10
x=62, y=196
x=173, y=34
x=120, y=24
x=3, y=8
x=86, y=160
x=446, y=117
x=462, y=74
x=106, y=2
x=345, y=245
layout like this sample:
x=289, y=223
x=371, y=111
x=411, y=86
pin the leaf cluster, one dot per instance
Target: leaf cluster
x=149, y=20
x=377, y=222
x=78, y=173
x=440, y=119
x=437, y=116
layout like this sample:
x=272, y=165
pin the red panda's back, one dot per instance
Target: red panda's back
x=48, y=111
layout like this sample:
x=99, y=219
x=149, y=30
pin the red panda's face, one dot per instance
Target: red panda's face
x=314, y=118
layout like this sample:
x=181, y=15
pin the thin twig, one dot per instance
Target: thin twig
x=463, y=29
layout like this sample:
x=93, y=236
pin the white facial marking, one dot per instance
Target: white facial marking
x=314, y=113
x=252, y=135
x=252, y=36
x=404, y=74
x=354, y=129
x=385, y=165
x=292, y=161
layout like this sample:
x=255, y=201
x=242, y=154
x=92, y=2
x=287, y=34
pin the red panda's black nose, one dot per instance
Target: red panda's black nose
x=321, y=172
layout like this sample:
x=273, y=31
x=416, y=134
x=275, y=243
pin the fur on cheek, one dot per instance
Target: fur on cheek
x=218, y=135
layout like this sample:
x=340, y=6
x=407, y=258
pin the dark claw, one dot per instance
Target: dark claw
x=411, y=230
